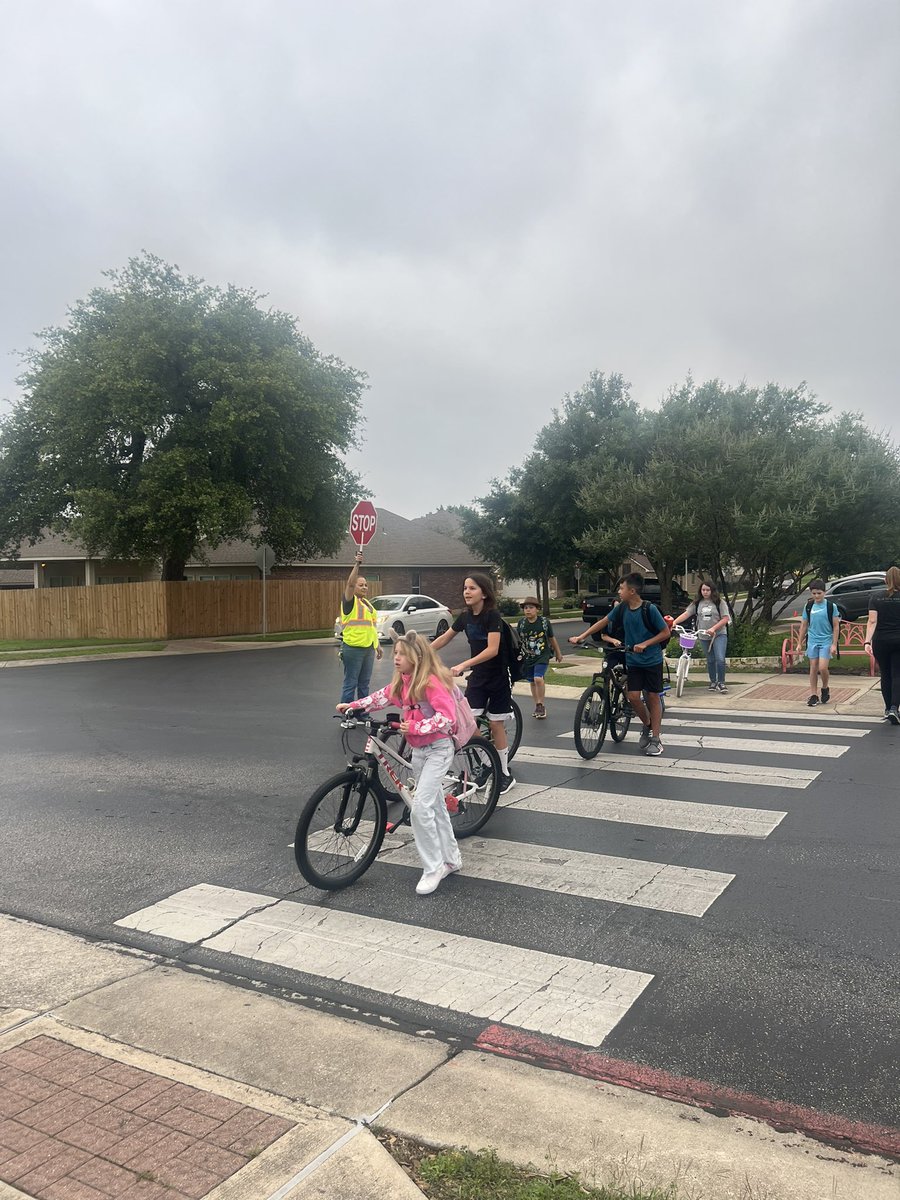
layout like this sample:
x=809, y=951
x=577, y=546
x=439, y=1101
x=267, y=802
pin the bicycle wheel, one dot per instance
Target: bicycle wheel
x=340, y=831
x=620, y=714
x=472, y=786
x=684, y=665
x=591, y=719
x=516, y=730
x=513, y=735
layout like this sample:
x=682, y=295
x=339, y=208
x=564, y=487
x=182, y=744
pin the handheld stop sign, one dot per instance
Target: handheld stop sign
x=363, y=522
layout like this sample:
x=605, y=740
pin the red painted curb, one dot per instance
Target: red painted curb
x=791, y=1118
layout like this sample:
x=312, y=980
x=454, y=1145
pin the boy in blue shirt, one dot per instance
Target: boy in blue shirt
x=819, y=630
x=644, y=659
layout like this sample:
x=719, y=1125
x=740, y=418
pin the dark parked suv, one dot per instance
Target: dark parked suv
x=853, y=593
x=595, y=607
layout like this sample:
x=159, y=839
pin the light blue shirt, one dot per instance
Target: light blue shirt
x=820, y=628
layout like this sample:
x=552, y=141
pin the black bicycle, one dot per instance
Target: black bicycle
x=344, y=821
x=602, y=706
x=513, y=736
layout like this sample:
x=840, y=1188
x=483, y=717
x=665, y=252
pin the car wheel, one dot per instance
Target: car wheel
x=399, y=628
x=442, y=627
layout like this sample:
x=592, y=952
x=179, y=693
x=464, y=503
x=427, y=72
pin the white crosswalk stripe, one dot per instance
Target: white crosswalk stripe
x=673, y=768
x=633, y=881
x=807, y=730
x=813, y=716
x=546, y=993
x=705, y=741
x=724, y=819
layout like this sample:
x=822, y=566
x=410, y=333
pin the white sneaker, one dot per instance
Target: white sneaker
x=451, y=868
x=431, y=880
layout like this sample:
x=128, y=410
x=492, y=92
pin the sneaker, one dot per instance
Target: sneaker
x=826, y=695
x=506, y=782
x=541, y=713
x=893, y=715
x=812, y=702
x=452, y=868
x=431, y=880
x=713, y=687
x=644, y=739
x=654, y=747
x=720, y=687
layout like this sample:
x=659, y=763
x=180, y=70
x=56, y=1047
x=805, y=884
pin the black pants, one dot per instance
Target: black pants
x=887, y=655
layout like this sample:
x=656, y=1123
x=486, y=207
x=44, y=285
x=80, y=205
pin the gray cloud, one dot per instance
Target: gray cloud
x=477, y=204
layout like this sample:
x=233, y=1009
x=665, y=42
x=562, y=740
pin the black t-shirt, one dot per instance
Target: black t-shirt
x=476, y=630
x=888, y=610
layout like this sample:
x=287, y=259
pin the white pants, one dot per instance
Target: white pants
x=430, y=820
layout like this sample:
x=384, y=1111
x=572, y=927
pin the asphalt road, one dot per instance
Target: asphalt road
x=126, y=781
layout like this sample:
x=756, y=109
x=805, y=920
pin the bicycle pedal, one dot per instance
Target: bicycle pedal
x=452, y=803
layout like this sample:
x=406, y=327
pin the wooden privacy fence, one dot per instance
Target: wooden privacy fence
x=206, y=608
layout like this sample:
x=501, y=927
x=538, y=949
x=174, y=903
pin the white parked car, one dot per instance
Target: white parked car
x=403, y=612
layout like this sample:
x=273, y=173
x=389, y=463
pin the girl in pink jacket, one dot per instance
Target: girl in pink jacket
x=423, y=687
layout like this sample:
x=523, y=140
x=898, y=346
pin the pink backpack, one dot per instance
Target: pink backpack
x=464, y=727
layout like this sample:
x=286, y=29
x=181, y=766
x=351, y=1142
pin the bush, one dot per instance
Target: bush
x=508, y=608
x=752, y=641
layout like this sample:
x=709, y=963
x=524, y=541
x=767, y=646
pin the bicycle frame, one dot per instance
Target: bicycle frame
x=376, y=753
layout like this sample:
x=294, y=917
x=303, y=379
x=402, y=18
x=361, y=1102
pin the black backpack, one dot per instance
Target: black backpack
x=511, y=645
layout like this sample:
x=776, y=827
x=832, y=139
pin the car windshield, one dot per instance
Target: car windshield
x=388, y=603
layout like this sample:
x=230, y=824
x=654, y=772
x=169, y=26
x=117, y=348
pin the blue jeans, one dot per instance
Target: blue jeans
x=715, y=652
x=358, y=663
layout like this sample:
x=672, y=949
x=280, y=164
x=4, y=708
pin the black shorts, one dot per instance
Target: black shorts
x=491, y=694
x=645, y=679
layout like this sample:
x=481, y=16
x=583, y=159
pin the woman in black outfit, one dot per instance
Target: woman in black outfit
x=883, y=635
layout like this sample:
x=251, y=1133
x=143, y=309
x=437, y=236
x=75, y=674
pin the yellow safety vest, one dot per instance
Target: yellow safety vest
x=358, y=626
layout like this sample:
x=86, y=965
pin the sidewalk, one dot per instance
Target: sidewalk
x=124, y=1074
x=749, y=691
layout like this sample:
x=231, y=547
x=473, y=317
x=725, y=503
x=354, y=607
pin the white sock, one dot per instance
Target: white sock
x=504, y=760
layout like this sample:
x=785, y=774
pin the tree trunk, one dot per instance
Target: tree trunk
x=544, y=594
x=173, y=570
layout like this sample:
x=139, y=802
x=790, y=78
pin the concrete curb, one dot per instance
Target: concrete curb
x=285, y=1058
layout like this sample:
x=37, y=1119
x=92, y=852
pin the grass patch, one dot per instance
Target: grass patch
x=63, y=643
x=292, y=635
x=86, y=651
x=464, y=1175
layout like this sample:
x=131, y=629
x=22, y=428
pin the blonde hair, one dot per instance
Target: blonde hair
x=425, y=664
x=892, y=580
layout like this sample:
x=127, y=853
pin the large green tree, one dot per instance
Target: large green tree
x=757, y=485
x=530, y=522
x=168, y=413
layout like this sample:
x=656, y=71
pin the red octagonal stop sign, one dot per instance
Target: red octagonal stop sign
x=363, y=521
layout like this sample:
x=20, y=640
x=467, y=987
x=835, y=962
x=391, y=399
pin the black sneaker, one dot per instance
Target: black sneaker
x=506, y=782
x=893, y=715
x=826, y=695
x=812, y=702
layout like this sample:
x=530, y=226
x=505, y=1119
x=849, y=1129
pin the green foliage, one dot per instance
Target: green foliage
x=168, y=413
x=507, y=607
x=751, y=641
x=529, y=522
x=753, y=478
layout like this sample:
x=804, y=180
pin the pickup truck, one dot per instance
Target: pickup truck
x=595, y=607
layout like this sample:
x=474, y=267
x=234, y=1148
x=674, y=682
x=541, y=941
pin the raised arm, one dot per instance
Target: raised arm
x=350, y=585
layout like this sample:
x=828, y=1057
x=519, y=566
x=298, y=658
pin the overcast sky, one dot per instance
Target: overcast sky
x=476, y=203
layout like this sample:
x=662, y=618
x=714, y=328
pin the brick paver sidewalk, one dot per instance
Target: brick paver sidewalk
x=76, y=1125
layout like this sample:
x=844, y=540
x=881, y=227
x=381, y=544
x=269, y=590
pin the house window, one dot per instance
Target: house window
x=416, y=581
x=65, y=581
